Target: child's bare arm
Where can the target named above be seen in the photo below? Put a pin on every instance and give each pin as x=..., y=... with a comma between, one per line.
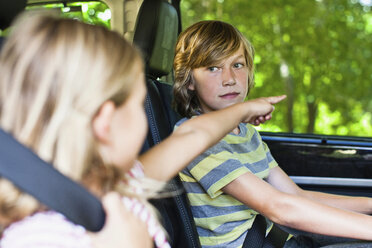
x=298, y=212
x=193, y=137
x=280, y=180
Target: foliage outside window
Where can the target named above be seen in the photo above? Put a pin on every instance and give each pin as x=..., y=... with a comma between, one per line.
x=93, y=12
x=318, y=52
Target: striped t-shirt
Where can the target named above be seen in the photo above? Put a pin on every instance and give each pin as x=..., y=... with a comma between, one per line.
x=221, y=220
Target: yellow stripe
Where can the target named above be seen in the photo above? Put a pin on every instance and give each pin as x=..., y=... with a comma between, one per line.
x=204, y=199
x=215, y=189
x=273, y=164
x=209, y=163
x=263, y=174
x=250, y=157
x=213, y=161
x=233, y=139
x=186, y=178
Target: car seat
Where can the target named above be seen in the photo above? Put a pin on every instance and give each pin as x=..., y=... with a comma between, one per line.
x=9, y=10
x=155, y=35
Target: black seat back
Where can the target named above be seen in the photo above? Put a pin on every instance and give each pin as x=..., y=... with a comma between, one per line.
x=1, y=41
x=156, y=34
x=8, y=11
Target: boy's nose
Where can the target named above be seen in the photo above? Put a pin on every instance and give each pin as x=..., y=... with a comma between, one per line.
x=229, y=83
x=228, y=77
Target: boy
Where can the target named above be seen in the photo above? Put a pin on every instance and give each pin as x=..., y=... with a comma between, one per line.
x=232, y=181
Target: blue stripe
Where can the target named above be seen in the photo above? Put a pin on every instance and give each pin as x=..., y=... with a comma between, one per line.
x=269, y=157
x=207, y=211
x=247, y=146
x=197, y=160
x=186, y=172
x=235, y=243
x=229, y=166
x=226, y=228
x=259, y=166
x=191, y=187
x=181, y=121
x=220, y=171
x=243, y=129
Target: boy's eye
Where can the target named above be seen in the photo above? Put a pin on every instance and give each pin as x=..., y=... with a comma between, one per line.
x=213, y=68
x=238, y=65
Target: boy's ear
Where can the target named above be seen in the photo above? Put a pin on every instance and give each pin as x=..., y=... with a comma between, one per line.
x=101, y=122
x=191, y=86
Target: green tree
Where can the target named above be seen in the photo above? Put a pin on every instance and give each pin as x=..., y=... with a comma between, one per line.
x=92, y=12
x=317, y=52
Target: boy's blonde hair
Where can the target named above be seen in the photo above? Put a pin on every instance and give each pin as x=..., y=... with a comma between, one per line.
x=55, y=75
x=203, y=44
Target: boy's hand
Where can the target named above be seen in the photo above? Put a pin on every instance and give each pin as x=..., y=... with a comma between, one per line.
x=263, y=108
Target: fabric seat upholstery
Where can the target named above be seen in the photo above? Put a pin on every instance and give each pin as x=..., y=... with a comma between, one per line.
x=156, y=35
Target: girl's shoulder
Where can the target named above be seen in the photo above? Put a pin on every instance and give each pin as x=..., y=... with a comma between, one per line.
x=45, y=229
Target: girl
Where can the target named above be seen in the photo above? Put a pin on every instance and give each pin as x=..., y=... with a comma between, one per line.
x=227, y=184
x=74, y=94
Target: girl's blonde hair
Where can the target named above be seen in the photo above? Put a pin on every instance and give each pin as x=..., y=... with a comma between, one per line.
x=55, y=75
x=203, y=44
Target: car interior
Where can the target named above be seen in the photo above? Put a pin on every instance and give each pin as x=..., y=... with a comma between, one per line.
x=154, y=31
x=175, y=211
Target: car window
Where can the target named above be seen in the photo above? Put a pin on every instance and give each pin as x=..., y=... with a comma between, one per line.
x=93, y=12
x=317, y=52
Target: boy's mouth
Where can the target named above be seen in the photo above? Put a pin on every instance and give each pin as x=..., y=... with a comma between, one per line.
x=230, y=95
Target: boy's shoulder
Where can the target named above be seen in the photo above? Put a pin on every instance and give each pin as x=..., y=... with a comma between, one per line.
x=250, y=128
x=183, y=120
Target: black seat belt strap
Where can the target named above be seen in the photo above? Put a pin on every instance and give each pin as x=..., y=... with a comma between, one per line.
x=256, y=235
x=276, y=237
x=38, y=178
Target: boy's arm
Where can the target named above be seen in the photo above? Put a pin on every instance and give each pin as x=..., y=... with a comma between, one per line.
x=165, y=160
x=298, y=212
x=280, y=180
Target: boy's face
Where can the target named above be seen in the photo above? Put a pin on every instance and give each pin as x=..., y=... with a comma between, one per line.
x=221, y=85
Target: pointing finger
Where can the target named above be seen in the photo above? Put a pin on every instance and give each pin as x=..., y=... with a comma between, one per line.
x=275, y=99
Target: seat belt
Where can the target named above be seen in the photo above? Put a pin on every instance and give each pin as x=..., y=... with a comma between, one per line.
x=41, y=180
x=276, y=237
x=256, y=235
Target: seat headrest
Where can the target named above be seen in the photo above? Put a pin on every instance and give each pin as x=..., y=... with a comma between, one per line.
x=1, y=41
x=156, y=35
x=9, y=10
